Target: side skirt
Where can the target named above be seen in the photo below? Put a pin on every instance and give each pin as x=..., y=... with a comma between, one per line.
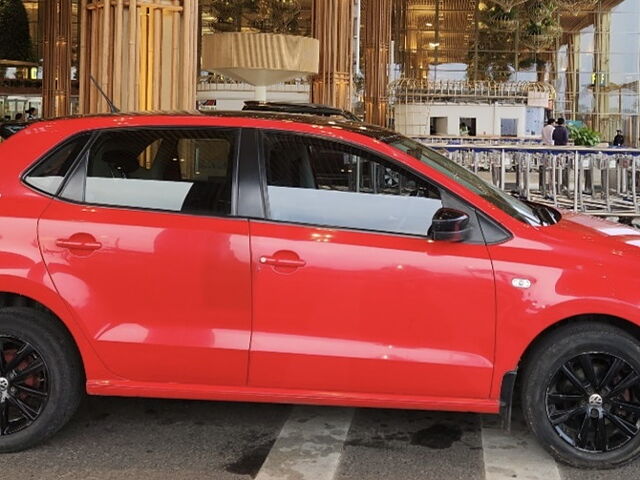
x=124, y=388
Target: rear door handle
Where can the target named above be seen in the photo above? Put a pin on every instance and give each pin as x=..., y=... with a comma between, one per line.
x=76, y=245
x=283, y=262
x=79, y=241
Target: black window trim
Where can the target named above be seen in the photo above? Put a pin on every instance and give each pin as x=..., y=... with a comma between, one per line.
x=250, y=192
x=375, y=153
x=81, y=163
x=77, y=174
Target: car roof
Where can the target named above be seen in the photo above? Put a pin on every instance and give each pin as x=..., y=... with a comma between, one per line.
x=361, y=128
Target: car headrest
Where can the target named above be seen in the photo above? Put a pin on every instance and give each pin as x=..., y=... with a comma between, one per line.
x=123, y=160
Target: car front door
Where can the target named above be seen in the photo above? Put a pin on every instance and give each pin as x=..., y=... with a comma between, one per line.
x=143, y=245
x=350, y=294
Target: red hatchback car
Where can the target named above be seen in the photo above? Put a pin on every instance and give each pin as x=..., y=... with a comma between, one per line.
x=283, y=258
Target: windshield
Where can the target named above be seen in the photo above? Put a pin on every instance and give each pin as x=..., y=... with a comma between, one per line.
x=497, y=197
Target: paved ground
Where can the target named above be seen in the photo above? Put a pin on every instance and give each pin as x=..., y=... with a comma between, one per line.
x=114, y=438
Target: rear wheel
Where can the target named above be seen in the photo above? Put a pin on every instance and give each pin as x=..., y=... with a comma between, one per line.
x=41, y=379
x=581, y=395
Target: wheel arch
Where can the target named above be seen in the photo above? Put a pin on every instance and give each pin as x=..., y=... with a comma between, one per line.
x=623, y=324
x=18, y=292
x=510, y=382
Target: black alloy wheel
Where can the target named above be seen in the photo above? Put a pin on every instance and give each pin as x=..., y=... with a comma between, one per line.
x=41, y=377
x=580, y=387
x=593, y=402
x=24, y=385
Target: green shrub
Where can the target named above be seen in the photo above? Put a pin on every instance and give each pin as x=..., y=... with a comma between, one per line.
x=584, y=136
x=15, y=42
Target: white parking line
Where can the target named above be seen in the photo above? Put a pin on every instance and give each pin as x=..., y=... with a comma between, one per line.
x=514, y=455
x=309, y=445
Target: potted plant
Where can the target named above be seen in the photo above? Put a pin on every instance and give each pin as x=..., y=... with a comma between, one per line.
x=583, y=136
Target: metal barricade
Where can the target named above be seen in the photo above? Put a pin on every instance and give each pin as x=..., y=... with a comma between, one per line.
x=597, y=181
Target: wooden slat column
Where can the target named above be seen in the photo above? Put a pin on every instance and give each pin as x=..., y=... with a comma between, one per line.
x=332, y=22
x=143, y=53
x=602, y=121
x=56, y=83
x=377, y=37
x=572, y=93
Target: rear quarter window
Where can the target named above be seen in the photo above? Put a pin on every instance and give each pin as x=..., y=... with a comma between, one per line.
x=49, y=173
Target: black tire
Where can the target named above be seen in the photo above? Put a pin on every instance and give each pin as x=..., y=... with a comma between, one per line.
x=51, y=393
x=571, y=419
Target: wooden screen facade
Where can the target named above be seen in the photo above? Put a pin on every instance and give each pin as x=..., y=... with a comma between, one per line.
x=56, y=79
x=332, y=23
x=143, y=54
x=377, y=39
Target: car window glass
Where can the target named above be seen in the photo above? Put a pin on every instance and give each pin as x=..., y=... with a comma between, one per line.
x=459, y=174
x=50, y=172
x=188, y=171
x=320, y=182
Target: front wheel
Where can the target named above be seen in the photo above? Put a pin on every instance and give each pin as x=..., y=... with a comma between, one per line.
x=581, y=395
x=41, y=379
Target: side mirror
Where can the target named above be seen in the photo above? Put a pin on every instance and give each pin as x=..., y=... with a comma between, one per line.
x=450, y=225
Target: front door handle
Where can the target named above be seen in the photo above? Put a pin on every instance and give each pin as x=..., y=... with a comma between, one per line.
x=283, y=262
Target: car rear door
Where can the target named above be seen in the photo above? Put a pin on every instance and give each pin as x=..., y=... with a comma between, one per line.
x=349, y=293
x=144, y=245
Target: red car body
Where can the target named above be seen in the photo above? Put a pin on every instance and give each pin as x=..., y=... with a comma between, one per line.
x=355, y=318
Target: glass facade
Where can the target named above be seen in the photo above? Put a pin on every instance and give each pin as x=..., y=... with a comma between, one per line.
x=273, y=16
x=587, y=50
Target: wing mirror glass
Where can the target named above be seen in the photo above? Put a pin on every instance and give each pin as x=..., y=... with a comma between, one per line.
x=450, y=225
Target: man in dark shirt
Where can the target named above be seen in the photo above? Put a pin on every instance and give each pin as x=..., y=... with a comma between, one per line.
x=618, y=140
x=560, y=134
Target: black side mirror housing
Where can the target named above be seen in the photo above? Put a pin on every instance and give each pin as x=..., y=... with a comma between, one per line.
x=450, y=225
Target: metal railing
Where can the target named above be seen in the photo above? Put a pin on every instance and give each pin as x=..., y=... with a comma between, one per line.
x=597, y=181
x=217, y=83
x=412, y=90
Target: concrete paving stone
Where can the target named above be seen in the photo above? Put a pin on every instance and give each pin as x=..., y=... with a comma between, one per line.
x=145, y=439
x=139, y=439
x=407, y=445
x=309, y=446
x=630, y=472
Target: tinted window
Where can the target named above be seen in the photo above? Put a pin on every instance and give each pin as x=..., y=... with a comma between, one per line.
x=322, y=182
x=50, y=172
x=187, y=171
x=497, y=197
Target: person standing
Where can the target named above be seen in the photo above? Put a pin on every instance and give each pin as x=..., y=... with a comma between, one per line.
x=30, y=113
x=560, y=133
x=561, y=138
x=547, y=132
x=618, y=140
x=547, y=139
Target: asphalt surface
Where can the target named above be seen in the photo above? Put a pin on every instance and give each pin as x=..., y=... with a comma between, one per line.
x=117, y=438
